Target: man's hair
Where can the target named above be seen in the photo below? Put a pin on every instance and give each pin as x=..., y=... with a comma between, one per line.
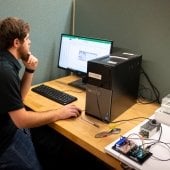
x=10, y=29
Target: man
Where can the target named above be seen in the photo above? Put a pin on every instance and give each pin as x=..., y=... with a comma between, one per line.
x=16, y=148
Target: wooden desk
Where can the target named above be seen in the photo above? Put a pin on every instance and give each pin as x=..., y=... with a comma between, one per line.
x=82, y=132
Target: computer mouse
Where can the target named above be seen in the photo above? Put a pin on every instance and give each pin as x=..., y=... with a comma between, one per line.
x=77, y=115
x=80, y=111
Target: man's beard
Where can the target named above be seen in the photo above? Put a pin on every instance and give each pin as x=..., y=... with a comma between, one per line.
x=23, y=54
x=25, y=57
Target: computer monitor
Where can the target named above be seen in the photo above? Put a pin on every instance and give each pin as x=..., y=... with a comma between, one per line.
x=75, y=52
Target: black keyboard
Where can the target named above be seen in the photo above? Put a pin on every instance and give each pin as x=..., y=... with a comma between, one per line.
x=54, y=94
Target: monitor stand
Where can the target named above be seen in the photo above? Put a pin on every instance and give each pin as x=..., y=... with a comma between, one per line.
x=78, y=84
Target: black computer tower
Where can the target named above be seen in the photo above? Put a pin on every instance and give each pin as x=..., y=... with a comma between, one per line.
x=112, y=84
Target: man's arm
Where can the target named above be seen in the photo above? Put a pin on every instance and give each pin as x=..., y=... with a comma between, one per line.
x=30, y=66
x=30, y=119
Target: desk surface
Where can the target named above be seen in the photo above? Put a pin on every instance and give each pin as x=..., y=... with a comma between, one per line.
x=81, y=131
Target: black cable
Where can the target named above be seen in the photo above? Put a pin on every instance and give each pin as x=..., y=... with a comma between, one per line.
x=154, y=89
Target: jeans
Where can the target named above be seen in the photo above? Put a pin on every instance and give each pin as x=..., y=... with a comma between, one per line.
x=20, y=155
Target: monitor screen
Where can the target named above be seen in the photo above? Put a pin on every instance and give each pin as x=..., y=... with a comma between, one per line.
x=76, y=51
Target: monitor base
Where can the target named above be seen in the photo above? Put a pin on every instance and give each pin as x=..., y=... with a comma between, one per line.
x=78, y=84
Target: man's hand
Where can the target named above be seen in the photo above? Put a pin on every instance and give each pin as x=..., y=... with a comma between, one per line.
x=31, y=63
x=69, y=111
